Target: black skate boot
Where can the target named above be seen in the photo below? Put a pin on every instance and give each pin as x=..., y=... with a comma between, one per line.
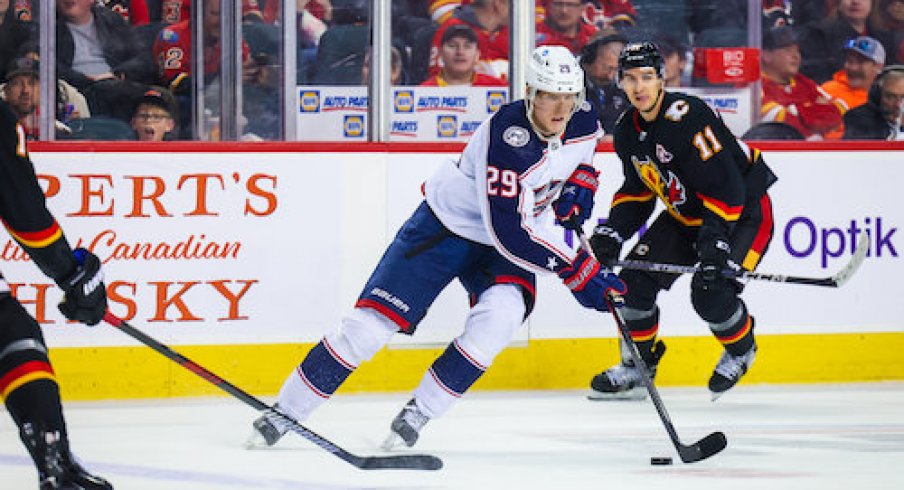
x=57, y=468
x=406, y=426
x=267, y=429
x=729, y=371
x=623, y=381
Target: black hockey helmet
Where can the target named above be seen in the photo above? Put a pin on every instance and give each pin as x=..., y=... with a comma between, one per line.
x=638, y=55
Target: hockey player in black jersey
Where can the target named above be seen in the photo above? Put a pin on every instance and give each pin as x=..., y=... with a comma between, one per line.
x=27, y=381
x=717, y=213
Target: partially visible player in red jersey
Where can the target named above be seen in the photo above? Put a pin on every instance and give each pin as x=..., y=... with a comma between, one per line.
x=459, y=54
x=489, y=19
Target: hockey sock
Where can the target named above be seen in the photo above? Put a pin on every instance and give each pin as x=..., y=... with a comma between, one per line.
x=643, y=326
x=323, y=371
x=31, y=394
x=736, y=333
x=448, y=378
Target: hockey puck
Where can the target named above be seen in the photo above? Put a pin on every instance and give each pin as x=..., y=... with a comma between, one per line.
x=661, y=461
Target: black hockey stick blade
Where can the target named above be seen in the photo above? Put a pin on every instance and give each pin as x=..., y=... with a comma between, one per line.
x=398, y=462
x=703, y=448
x=834, y=281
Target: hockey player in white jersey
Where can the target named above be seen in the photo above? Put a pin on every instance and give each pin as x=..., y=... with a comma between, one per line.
x=485, y=221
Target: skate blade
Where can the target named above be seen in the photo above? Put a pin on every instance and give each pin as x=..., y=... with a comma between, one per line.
x=392, y=441
x=715, y=395
x=632, y=394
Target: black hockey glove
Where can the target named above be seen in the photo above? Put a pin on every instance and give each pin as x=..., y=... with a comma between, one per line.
x=714, y=262
x=85, y=297
x=606, y=244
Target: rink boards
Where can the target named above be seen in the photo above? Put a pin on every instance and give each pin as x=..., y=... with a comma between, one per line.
x=243, y=256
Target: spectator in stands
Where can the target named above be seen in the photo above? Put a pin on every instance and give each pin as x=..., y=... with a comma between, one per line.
x=564, y=25
x=13, y=32
x=94, y=43
x=173, y=11
x=172, y=52
x=489, y=19
x=340, y=52
x=459, y=54
x=97, y=54
x=776, y=13
x=610, y=14
x=806, y=12
x=155, y=116
x=134, y=12
x=881, y=117
x=674, y=56
x=396, y=68
x=22, y=94
x=599, y=60
x=789, y=96
x=863, y=60
x=889, y=15
x=822, y=44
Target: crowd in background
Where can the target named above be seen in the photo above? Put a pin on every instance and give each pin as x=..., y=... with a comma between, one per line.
x=821, y=59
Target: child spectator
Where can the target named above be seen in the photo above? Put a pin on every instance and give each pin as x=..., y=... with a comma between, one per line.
x=155, y=117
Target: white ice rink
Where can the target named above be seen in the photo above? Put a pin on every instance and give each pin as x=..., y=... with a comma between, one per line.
x=790, y=437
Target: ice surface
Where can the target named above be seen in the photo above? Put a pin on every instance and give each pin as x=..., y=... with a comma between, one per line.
x=788, y=437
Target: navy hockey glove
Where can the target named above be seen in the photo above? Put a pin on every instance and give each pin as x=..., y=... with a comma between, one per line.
x=575, y=202
x=606, y=244
x=589, y=282
x=85, y=297
x=714, y=261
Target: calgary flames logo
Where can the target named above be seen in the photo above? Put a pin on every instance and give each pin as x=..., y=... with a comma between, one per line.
x=669, y=188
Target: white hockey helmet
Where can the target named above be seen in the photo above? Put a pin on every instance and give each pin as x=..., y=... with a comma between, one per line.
x=554, y=69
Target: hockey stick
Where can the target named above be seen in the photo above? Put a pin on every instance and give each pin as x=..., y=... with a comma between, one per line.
x=698, y=451
x=834, y=281
x=408, y=461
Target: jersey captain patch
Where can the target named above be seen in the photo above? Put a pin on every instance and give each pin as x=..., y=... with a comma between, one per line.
x=516, y=136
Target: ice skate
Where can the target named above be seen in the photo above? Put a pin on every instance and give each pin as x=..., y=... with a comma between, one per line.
x=57, y=468
x=729, y=371
x=267, y=430
x=406, y=426
x=623, y=381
